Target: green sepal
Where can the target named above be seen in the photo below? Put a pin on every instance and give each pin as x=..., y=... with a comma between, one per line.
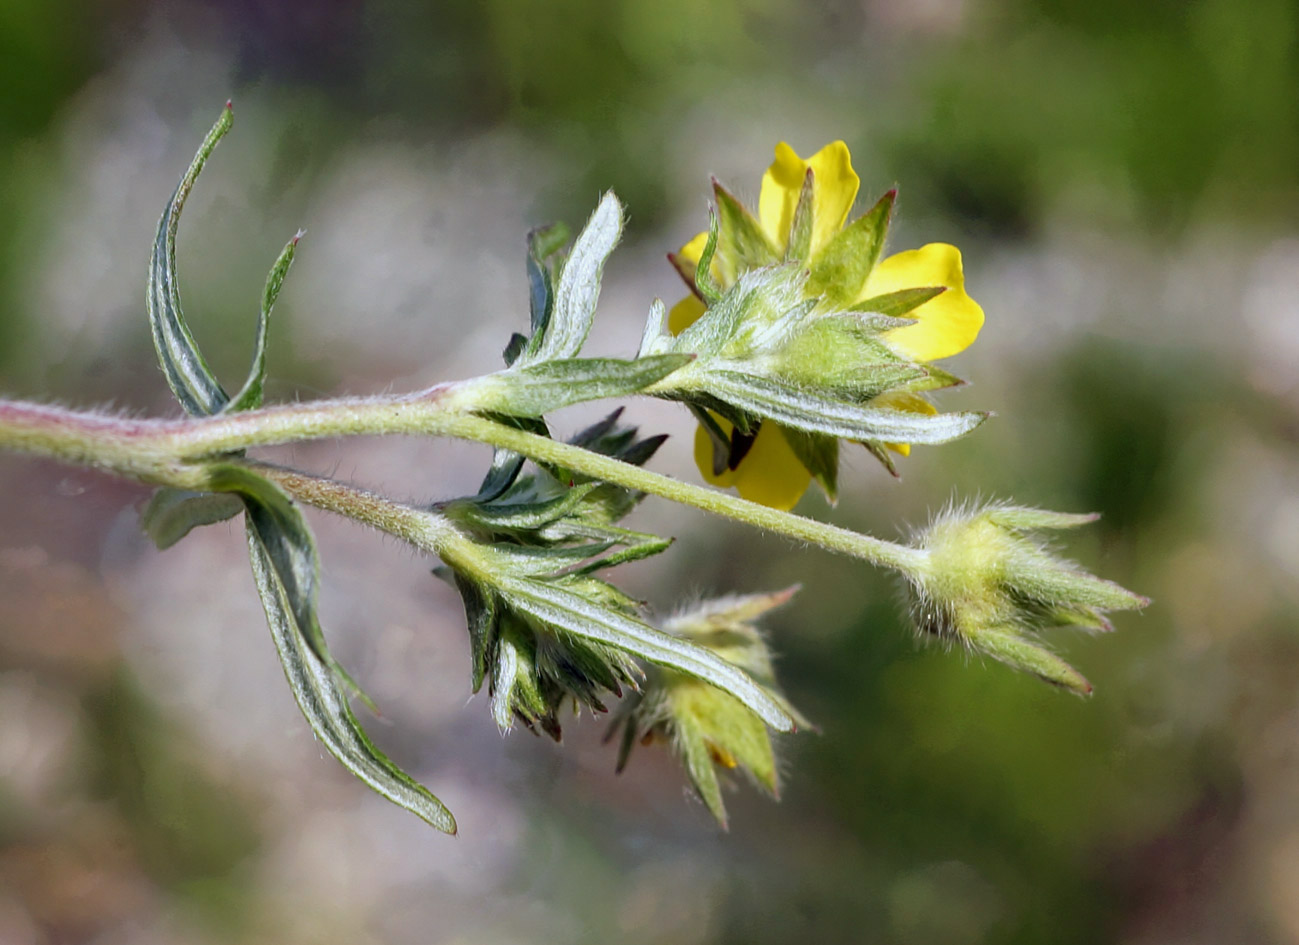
x=819, y=455
x=1023, y=518
x=885, y=457
x=991, y=584
x=250, y=395
x=705, y=285
x=898, y=304
x=837, y=352
x=1048, y=578
x=935, y=378
x=324, y=703
x=800, y=230
x=707, y=727
x=187, y=373
x=818, y=413
x=515, y=689
x=637, y=545
x=840, y=269
x=1010, y=646
x=742, y=244
x=753, y=317
x=171, y=514
x=517, y=517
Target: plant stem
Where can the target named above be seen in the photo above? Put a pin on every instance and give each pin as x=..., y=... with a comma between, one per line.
x=169, y=452
x=427, y=530
x=597, y=466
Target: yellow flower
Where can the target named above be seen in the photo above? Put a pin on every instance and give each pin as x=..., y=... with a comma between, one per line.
x=770, y=472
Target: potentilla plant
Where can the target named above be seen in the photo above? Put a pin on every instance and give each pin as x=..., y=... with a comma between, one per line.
x=798, y=335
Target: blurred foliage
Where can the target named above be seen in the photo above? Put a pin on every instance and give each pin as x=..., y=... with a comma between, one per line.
x=42, y=62
x=1122, y=112
x=191, y=833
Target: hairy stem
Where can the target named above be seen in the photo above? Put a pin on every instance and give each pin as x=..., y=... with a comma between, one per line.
x=167, y=452
x=831, y=537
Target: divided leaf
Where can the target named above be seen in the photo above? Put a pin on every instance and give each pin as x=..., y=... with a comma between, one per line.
x=576, y=291
x=544, y=386
x=283, y=534
x=250, y=395
x=188, y=375
x=191, y=380
x=325, y=704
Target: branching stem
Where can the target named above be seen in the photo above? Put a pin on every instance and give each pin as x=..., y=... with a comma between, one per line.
x=170, y=452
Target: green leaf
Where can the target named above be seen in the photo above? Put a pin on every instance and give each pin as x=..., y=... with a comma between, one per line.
x=283, y=534
x=543, y=244
x=250, y=395
x=578, y=288
x=506, y=464
x=575, y=614
x=655, y=336
x=840, y=269
x=806, y=410
x=646, y=546
x=324, y=703
x=191, y=380
x=515, y=516
x=483, y=621
x=173, y=513
x=542, y=387
x=513, y=348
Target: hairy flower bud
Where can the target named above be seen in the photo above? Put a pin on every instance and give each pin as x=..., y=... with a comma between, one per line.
x=707, y=727
x=991, y=584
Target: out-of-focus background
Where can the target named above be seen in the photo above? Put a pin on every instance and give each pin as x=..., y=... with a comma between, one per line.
x=1124, y=181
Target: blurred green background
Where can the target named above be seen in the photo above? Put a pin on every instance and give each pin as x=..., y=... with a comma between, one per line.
x=1124, y=181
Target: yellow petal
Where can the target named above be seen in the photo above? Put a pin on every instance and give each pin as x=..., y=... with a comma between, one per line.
x=770, y=474
x=685, y=313
x=834, y=188
x=902, y=400
x=694, y=250
x=945, y=324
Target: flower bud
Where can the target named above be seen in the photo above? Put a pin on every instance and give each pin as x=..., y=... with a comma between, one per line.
x=707, y=727
x=990, y=583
